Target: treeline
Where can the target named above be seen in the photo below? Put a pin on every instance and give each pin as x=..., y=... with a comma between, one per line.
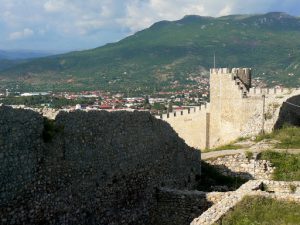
x=40, y=101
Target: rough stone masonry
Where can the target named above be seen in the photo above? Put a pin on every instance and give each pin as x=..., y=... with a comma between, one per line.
x=89, y=168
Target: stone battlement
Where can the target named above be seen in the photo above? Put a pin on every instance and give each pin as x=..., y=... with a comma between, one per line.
x=229, y=70
x=220, y=71
x=242, y=74
x=184, y=112
x=270, y=91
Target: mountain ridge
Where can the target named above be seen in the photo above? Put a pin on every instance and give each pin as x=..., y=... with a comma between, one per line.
x=170, y=51
x=23, y=54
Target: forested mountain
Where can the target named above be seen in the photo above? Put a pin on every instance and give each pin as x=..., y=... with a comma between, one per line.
x=171, y=51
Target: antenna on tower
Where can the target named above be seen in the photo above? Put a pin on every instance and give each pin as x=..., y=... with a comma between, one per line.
x=214, y=60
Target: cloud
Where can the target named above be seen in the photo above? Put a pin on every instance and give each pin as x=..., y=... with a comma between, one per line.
x=54, y=6
x=91, y=23
x=225, y=11
x=21, y=34
x=88, y=25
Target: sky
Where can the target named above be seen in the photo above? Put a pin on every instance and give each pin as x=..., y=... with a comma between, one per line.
x=64, y=25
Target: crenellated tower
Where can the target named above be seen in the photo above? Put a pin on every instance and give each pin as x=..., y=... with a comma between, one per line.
x=228, y=89
x=235, y=110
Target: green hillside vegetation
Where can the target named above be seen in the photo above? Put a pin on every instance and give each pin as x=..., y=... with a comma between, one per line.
x=169, y=51
x=40, y=101
x=6, y=64
x=261, y=211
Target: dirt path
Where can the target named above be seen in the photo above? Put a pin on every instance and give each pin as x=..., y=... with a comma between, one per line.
x=215, y=154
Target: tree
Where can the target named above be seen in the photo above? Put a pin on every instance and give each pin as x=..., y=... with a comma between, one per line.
x=147, y=104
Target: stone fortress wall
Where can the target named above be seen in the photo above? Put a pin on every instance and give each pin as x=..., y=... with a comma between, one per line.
x=235, y=110
x=190, y=124
x=90, y=168
x=20, y=150
x=112, y=168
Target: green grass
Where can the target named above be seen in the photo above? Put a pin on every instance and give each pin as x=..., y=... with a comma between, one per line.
x=264, y=136
x=210, y=176
x=263, y=211
x=242, y=139
x=287, y=165
x=288, y=136
x=230, y=146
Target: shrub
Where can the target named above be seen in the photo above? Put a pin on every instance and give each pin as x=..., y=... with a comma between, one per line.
x=292, y=188
x=249, y=155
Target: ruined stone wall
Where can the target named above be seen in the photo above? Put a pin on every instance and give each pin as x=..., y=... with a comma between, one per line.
x=97, y=168
x=20, y=150
x=215, y=213
x=282, y=187
x=240, y=165
x=176, y=207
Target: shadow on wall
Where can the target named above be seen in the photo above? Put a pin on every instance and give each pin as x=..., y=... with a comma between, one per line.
x=221, y=178
x=289, y=112
x=88, y=167
x=179, y=207
x=174, y=207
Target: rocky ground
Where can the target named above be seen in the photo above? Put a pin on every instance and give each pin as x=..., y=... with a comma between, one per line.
x=248, y=146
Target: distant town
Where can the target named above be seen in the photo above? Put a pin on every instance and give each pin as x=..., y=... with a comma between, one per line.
x=178, y=97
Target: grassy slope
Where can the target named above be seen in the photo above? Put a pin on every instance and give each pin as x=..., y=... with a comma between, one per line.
x=263, y=211
x=230, y=146
x=287, y=165
x=170, y=51
x=288, y=137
